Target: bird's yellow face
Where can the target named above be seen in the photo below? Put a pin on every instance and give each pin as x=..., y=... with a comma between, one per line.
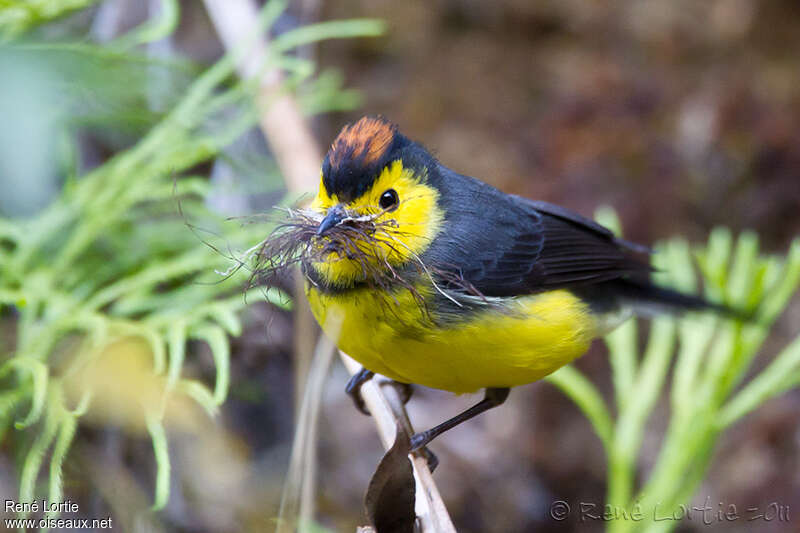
x=388, y=209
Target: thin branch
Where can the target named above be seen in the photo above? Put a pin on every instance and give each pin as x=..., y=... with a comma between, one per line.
x=387, y=410
x=283, y=125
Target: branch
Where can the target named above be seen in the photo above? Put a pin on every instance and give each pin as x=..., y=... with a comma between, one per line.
x=387, y=410
x=283, y=125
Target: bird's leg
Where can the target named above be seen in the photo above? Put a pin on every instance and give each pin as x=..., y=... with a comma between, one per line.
x=353, y=388
x=492, y=398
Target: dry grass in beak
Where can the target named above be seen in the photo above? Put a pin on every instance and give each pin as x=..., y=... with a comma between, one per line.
x=368, y=241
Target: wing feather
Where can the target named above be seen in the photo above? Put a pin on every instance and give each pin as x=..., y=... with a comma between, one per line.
x=514, y=246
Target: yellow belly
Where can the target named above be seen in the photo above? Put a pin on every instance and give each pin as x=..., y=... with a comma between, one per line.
x=540, y=334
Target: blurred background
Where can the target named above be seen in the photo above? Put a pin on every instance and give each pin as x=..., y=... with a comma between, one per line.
x=681, y=115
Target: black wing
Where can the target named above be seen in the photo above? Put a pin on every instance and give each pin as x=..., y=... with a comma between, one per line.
x=504, y=245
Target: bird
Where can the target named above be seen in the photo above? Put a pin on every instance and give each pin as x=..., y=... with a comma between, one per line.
x=434, y=278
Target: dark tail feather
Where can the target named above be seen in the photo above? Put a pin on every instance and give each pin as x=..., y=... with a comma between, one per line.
x=646, y=297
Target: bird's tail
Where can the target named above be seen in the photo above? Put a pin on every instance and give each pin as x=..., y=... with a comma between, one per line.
x=647, y=298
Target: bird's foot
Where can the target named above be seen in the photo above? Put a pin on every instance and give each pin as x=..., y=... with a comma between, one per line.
x=430, y=458
x=353, y=389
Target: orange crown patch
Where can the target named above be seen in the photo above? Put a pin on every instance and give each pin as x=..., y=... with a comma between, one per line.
x=366, y=140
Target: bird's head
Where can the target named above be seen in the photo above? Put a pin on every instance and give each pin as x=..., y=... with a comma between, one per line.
x=377, y=200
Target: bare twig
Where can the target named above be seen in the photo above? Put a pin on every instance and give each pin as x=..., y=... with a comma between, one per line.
x=387, y=409
x=157, y=83
x=283, y=125
x=107, y=20
x=298, y=156
x=297, y=501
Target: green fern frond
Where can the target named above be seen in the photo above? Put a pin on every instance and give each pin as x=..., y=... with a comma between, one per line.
x=714, y=355
x=112, y=259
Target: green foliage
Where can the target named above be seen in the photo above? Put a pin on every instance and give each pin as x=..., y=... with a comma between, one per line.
x=709, y=366
x=18, y=16
x=110, y=270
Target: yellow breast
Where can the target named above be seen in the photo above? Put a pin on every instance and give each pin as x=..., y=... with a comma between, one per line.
x=533, y=337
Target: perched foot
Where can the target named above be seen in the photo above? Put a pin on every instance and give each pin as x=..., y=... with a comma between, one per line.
x=406, y=391
x=430, y=458
x=353, y=388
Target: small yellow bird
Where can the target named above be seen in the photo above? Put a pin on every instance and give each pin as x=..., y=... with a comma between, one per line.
x=434, y=278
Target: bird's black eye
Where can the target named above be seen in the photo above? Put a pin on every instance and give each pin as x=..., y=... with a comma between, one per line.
x=389, y=200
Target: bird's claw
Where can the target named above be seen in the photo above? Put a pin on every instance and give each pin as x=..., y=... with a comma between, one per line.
x=406, y=391
x=430, y=458
x=358, y=401
x=353, y=389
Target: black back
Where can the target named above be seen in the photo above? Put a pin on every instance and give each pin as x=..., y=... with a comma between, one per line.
x=505, y=245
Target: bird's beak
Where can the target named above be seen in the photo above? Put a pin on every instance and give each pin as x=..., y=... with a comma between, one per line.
x=334, y=215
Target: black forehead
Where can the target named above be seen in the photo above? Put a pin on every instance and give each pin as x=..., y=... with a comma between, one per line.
x=353, y=174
